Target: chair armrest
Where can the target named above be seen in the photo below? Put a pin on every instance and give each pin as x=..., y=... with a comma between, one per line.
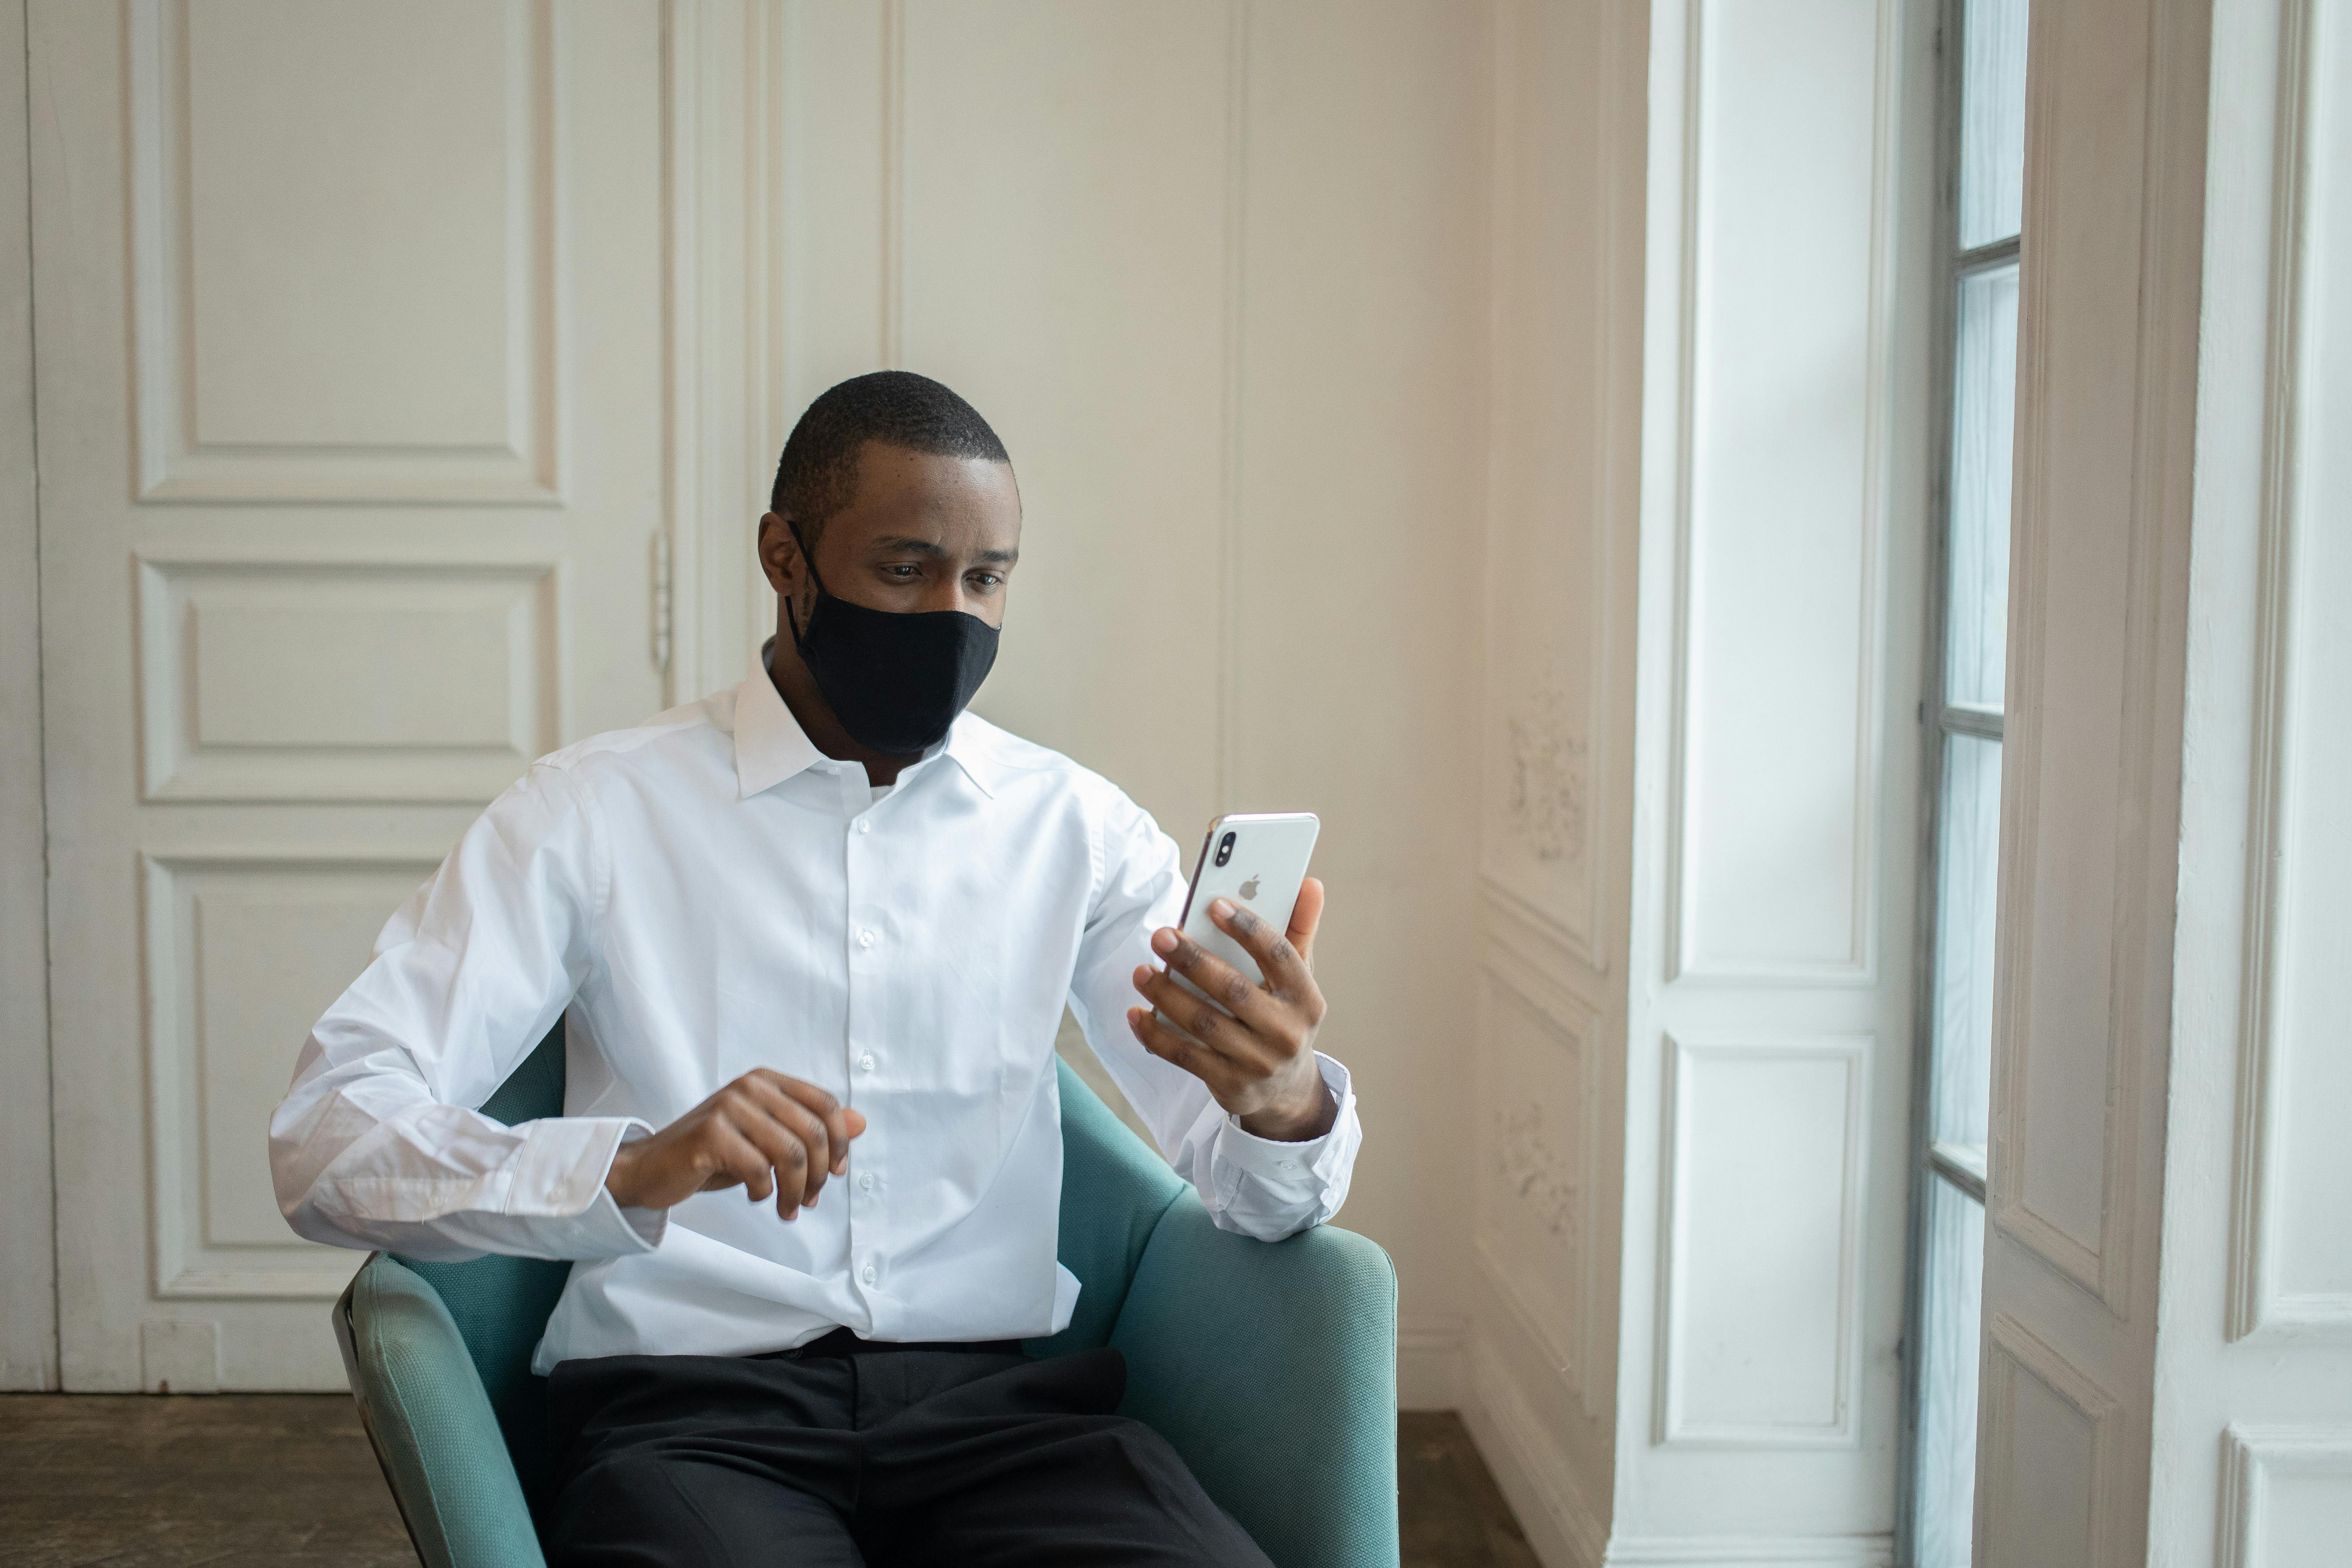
x=434, y=1431
x=1272, y=1368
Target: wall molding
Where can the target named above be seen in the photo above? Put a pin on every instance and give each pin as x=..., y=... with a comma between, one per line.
x=2258, y=1305
x=1535, y=955
x=2252, y=1457
x=184, y=1262
x=1670, y=1426
x=2145, y=821
x=177, y=765
x=1752, y=1550
x=1576, y=1354
x=171, y=465
x=2011, y=1341
x=1534, y=1473
x=1533, y=935
x=1232, y=426
x=1431, y=1370
x=1858, y=968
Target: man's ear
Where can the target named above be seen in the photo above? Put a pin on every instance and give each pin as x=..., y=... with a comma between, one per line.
x=779, y=555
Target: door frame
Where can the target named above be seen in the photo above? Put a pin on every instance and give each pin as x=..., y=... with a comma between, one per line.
x=28, y=1299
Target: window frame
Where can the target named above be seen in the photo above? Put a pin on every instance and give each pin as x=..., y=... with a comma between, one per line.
x=1930, y=1161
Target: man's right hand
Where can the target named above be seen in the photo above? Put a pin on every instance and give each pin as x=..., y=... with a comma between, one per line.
x=764, y=1131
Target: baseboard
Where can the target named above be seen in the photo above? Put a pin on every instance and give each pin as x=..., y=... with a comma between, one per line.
x=1429, y=1366
x=1752, y=1552
x=1529, y=1467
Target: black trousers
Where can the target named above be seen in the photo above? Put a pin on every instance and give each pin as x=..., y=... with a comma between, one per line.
x=847, y=1453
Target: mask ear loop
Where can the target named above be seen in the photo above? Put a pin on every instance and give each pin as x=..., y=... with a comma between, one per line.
x=808, y=559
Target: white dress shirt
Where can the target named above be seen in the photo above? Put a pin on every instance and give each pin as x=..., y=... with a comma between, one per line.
x=706, y=894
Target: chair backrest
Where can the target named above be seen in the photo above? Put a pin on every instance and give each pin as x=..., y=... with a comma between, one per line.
x=1114, y=1191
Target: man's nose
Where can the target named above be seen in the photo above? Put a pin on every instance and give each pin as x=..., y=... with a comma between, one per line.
x=949, y=594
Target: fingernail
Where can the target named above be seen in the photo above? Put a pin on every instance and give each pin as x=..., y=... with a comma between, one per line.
x=1163, y=941
x=1221, y=908
x=1143, y=973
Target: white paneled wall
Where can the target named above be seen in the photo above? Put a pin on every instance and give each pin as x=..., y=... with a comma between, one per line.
x=1213, y=269
x=2252, y=1446
x=1538, y=1376
x=1771, y=977
x=375, y=436
x=1704, y=583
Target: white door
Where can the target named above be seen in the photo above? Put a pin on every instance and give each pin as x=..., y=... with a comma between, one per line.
x=350, y=338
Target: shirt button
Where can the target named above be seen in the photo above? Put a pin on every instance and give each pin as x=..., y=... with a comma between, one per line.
x=864, y=1181
x=864, y=826
x=866, y=939
x=865, y=1062
x=867, y=1274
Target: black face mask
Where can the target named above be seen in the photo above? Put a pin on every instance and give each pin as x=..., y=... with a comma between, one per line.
x=895, y=681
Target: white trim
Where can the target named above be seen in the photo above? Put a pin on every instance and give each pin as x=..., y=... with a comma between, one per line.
x=1670, y=1424
x=1534, y=1475
x=1430, y=1367
x=1859, y=969
x=29, y=1302
x=2250, y=1457
x=1753, y=1550
x=2258, y=1306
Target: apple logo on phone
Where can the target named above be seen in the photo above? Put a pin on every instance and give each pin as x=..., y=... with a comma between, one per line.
x=1249, y=889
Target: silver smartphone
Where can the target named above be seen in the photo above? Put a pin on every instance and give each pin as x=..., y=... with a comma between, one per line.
x=1257, y=859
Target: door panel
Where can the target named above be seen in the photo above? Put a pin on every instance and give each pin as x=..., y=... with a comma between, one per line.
x=349, y=360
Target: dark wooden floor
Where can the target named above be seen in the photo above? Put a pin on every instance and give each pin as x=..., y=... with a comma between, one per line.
x=247, y=1480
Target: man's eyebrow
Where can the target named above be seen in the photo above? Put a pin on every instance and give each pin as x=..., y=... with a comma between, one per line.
x=901, y=544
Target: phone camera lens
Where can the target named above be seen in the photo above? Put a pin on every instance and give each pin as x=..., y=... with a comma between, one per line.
x=1225, y=848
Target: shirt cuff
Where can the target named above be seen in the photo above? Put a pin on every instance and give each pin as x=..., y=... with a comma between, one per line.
x=1292, y=1164
x=559, y=1174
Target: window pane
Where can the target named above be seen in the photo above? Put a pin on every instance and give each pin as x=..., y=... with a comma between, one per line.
x=1947, y=1481
x=1968, y=875
x=1992, y=120
x=1984, y=400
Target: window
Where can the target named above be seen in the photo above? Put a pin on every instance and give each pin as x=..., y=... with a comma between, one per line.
x=1983, y=112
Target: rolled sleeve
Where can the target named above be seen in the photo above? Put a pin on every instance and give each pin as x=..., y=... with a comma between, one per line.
x=559, y=1174
x=1267, y=1189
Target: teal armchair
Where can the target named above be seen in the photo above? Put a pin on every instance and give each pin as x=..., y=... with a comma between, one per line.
x=1272, y=1368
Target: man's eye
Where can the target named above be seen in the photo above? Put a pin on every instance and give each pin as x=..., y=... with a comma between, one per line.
x=904, y=573
x=985, y=582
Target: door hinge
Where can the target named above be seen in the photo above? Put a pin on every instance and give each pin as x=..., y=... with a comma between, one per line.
x=662, y=600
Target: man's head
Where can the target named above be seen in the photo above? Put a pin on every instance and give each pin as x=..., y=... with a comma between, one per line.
x=894, y=499
x=903, y=495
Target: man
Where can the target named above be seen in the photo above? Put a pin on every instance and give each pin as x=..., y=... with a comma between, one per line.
x=812, y=938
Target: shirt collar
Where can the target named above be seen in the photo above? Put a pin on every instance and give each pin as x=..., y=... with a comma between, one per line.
x=771, y=746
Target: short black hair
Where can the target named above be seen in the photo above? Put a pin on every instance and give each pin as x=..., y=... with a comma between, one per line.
x=817, y=475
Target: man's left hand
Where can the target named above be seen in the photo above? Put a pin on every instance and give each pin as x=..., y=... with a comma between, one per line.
x=1258, y=1055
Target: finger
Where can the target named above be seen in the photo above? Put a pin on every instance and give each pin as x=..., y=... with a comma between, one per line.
x=738, y=1160
x=1306, y=915
x=1207, y=1026
x=1243, y=997
x=804, y=1123
x=836, y=1118
x=1284, y=971
x=1171, y=1046
x=784, y=1151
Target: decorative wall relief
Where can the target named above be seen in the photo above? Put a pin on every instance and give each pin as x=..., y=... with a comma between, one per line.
x=1543, y=1178
x=1548, y=777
